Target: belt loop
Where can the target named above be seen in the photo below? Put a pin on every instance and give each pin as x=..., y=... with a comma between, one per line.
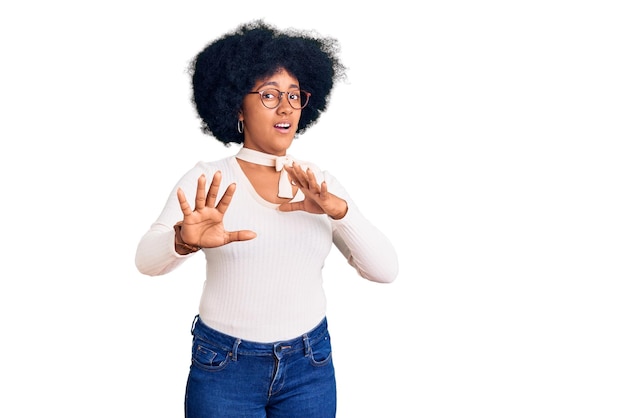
x=193, y=325
x=307, y=345
x=235, y=347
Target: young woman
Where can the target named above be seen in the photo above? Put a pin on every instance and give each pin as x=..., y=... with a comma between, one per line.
x=265, y=222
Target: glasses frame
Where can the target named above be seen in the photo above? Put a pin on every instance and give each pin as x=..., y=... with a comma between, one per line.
x=280, y=97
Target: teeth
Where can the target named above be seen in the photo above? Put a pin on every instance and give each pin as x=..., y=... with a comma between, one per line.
x=283, y=125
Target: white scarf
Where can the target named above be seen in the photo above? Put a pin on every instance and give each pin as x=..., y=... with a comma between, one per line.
x=257, y=157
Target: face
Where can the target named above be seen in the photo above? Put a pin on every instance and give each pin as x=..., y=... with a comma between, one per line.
x=270, y=130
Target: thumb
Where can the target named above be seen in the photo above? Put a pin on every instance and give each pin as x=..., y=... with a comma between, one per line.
x=243, y=235
x=291, y=206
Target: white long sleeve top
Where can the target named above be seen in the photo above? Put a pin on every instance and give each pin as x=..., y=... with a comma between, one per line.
x=269, y=288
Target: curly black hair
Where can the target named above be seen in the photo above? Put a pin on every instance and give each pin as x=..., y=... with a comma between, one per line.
x=227, y=69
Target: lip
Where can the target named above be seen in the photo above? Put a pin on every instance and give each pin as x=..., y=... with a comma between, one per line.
x=283, y=126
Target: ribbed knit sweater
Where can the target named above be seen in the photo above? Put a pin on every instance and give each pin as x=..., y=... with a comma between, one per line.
x=269, y=288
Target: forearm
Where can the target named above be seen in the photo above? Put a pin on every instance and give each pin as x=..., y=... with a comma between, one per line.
x=156, y=254
x=365, y=247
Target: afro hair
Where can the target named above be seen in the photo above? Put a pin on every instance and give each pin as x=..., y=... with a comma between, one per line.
x=227, y=69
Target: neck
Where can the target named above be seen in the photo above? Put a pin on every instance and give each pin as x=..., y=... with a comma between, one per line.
x=278, y=162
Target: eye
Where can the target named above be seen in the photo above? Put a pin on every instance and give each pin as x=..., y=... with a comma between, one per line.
x=269, y=94
x=294, y=95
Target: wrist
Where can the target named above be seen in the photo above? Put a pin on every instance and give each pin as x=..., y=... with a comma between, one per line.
x=180, y=245
x=340, y=214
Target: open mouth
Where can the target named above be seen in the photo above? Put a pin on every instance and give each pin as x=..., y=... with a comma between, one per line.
x=283, y=126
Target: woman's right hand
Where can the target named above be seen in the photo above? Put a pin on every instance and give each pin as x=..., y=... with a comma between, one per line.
x=203, y=226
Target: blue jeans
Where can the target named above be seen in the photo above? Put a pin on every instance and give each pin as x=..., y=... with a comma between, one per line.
x=230, y=377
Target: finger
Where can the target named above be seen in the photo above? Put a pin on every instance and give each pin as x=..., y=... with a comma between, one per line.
x=225, y=200
x=211, y=196
x=182, y=200
x=300, y=176
x=291, y=171
x=243, y=235
x=323, y=190
x=312, y=181
x=200, y=192
x=292, y=176
x=291, y=206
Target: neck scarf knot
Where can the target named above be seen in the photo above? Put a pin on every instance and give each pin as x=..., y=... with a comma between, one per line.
x=257, y=157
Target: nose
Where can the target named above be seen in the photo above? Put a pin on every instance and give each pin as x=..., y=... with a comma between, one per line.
x=284, y=108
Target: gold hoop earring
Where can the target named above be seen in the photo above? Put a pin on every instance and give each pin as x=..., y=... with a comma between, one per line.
x=240, y=126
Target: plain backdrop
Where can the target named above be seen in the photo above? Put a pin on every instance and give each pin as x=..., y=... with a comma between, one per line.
x=485, y=138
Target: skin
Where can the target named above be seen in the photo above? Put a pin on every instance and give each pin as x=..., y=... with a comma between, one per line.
x=203, y=225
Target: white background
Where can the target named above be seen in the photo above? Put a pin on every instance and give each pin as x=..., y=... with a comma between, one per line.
x=485, y=138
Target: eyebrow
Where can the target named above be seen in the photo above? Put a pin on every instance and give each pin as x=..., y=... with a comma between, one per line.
x=275, y=84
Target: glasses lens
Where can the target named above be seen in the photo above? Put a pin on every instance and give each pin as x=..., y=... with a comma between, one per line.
x=298, y=98
x=270, y=98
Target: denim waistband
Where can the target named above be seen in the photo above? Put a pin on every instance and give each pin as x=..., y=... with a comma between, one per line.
x=302, y=343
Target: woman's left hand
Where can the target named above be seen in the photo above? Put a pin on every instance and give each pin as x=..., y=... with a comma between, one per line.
x=317, y=199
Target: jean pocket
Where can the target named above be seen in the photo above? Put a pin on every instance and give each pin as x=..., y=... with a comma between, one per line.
x=321, y=352
x=206, y=356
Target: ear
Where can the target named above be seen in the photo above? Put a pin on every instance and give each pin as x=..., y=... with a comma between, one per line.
x=240, y=114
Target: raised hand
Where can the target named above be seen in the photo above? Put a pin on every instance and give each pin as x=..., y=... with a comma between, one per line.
x=317, y=199
x=203, y=226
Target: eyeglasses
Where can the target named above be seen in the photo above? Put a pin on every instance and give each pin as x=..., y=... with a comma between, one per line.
x=271, y=98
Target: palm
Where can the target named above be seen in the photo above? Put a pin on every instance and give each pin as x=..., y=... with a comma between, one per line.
x=203, y=226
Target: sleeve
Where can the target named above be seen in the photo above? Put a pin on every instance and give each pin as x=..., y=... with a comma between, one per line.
x=155, y=253
x=363, y=245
